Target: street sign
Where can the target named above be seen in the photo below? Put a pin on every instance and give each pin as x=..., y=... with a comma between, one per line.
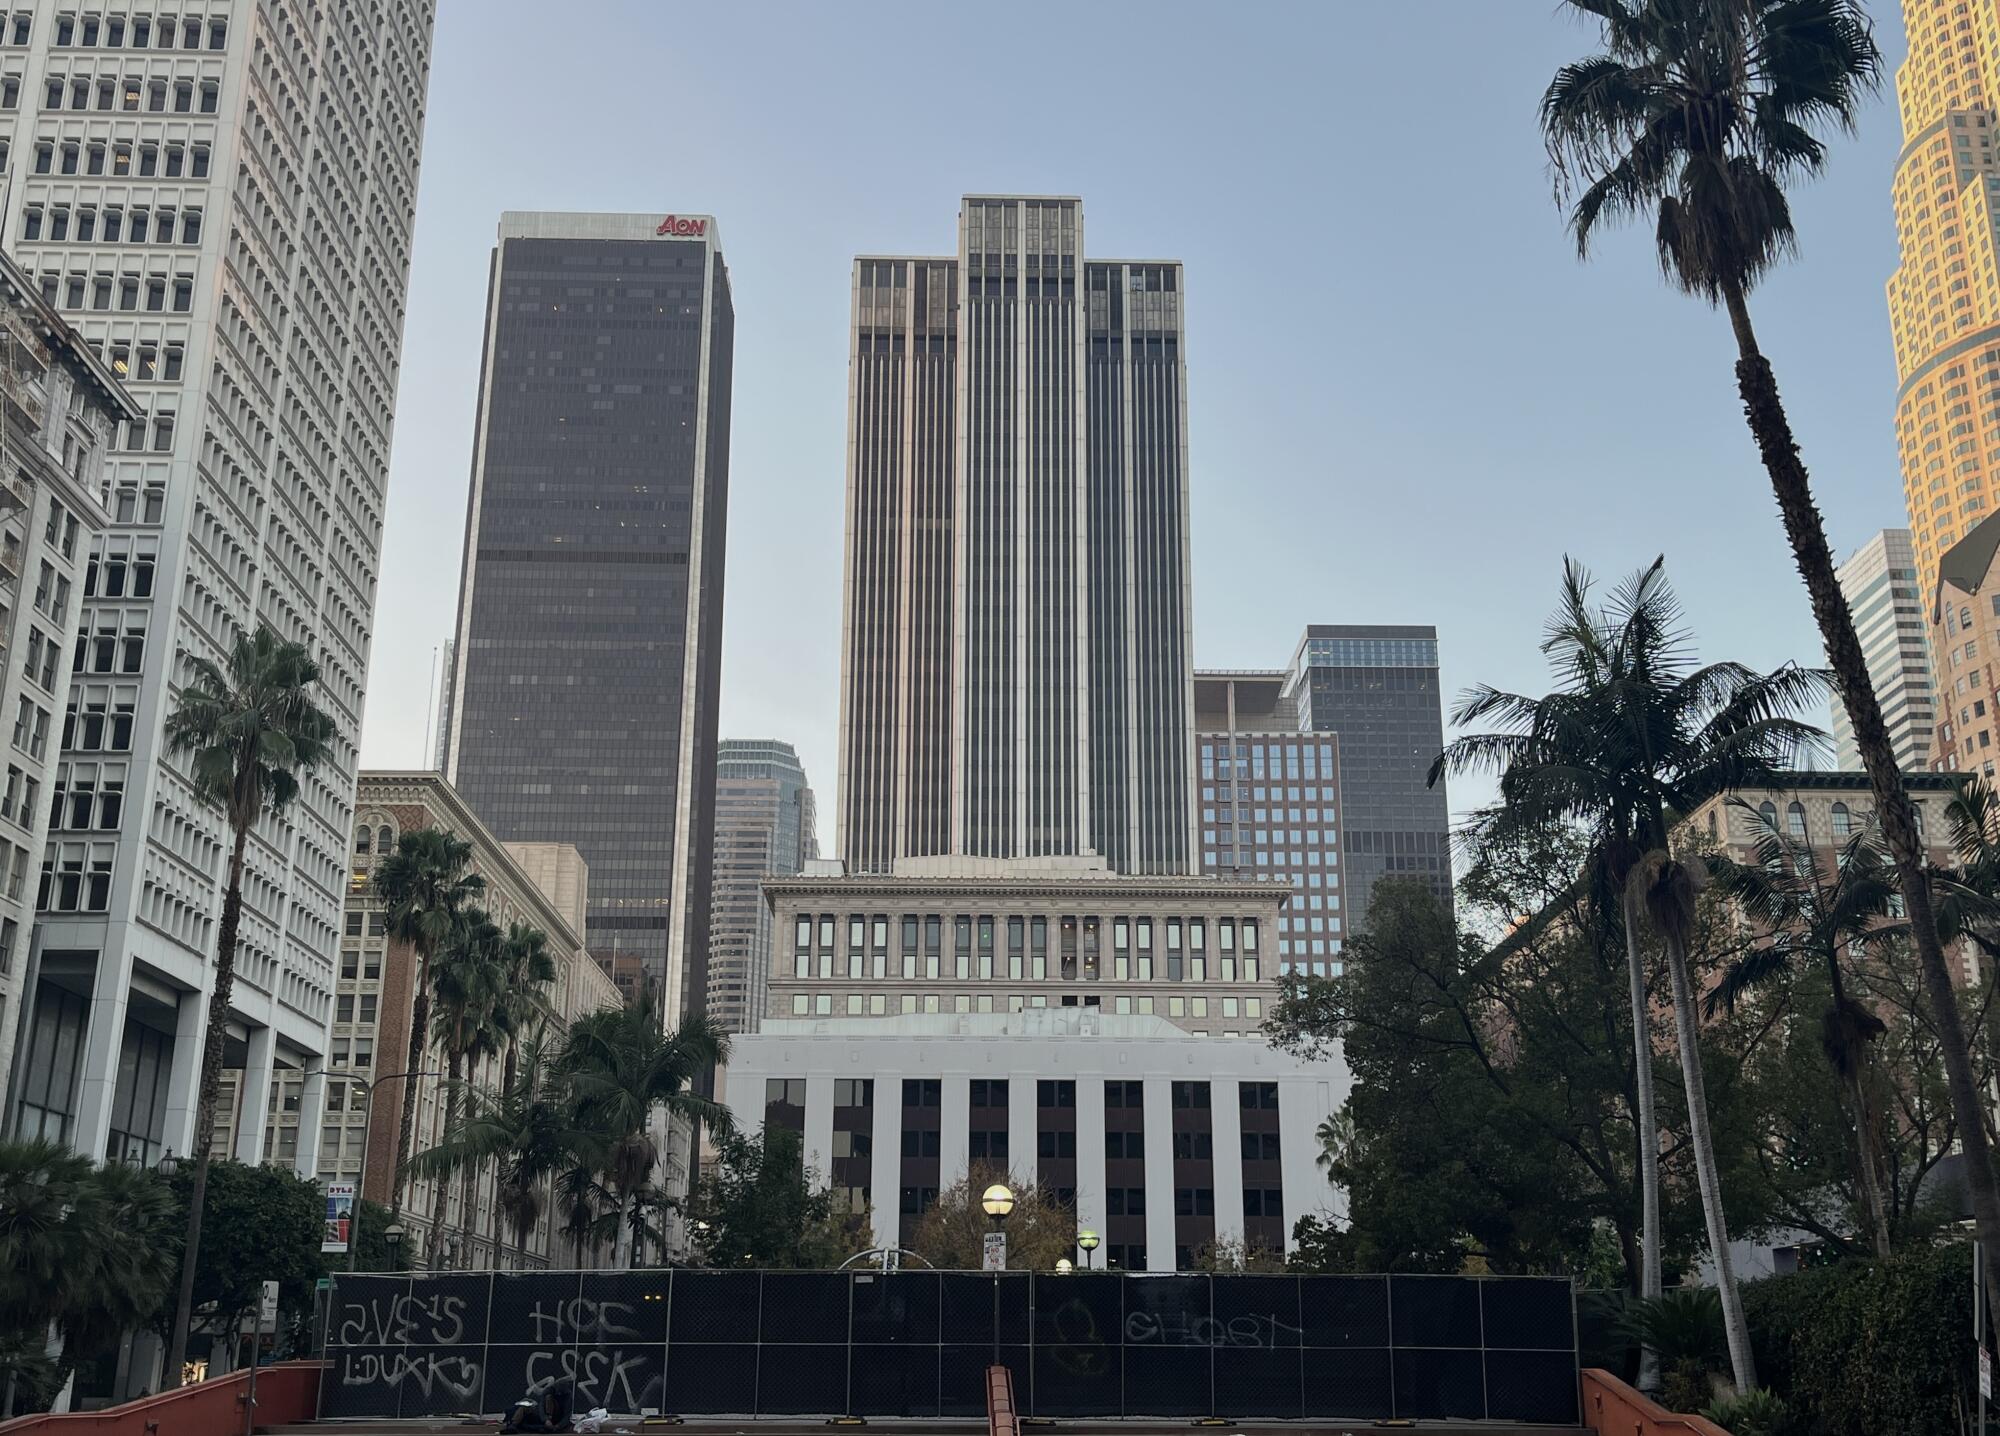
x=264, y=1321
x=1985, y=1373
x=996, y=1252
x=339, y=1217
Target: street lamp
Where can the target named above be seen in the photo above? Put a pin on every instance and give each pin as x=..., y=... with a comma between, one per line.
x=998, y=1200
x=1064, y=1266
x=168, y=1164
x=367, y=1087
x=393, y=1235
x=1087, y=1241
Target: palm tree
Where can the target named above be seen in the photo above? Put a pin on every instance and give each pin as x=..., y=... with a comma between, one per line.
x=623, y=1067
x=424, y=884
x=1636, y=734
x=1699, y=113
x=526, y=967
x=1813, y=917
x=463, y=983
x=529, y=1131
x=249, y=728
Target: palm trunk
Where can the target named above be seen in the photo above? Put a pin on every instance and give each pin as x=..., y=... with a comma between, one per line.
x=435, y=1244
x=1734, y=1327
x=204, y=1110
x=1645, y=1119
x=1871, y=1176
x=420, y=1021
x=1864, y=1128
x=1765, y=413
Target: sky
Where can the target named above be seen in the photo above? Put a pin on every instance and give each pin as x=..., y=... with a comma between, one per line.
x=1408, y=400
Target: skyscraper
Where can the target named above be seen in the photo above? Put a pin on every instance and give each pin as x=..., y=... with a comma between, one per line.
x=589, y=640
x=1270, y=808
x=220, y=199
x=1016, y=673
x=1880, y=581
x=765, y=827
x=1376, y=687
x=1944, y=297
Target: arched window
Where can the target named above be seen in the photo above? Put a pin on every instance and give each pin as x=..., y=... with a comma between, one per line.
x=1768, y=815
x=1965, y=618
x=363, y=840
x=1841, y=825
x=384, y=839
x=1917, y=811
x=1795, y=820
x=1711, y=822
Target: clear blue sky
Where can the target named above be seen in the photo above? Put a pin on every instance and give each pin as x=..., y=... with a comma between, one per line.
x=1408, y=400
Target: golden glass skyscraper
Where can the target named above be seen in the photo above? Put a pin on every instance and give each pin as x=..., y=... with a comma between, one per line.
x=1944, y=298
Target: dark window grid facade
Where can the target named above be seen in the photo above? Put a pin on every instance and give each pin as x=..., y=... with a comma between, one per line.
x=571, y=668
x=1124, y=1177
x=785, y=1104
x=1055, y=1137
x=850, y=1169
x=1194, y=1173
x=986, y=1127
x=1391, y=725
x=922, y=1131
x=1263, y=1174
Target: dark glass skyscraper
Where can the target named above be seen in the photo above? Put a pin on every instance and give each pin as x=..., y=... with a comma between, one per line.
x=1376, y=686
x=589, y=637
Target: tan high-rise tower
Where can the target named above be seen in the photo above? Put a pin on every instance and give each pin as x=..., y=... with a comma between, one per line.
x=1944, y=298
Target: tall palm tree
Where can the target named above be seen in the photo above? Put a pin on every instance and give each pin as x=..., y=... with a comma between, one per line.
x=624, y=1067
x=1813, y=917
x=526, y=966
x=1635, y=735
x=249, y=727
x=424, y=884
x=464, y=980
x=1699, y=113
x=529, y=1131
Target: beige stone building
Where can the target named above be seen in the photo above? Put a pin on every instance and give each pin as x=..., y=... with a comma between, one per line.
x=959, y=935
x=374, y=992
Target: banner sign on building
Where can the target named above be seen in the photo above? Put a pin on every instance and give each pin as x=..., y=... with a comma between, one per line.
x=339, y=1217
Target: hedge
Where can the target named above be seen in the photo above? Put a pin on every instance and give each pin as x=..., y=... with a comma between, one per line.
x=1870, y=1348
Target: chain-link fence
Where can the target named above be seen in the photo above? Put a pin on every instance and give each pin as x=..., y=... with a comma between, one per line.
x=915, y=1343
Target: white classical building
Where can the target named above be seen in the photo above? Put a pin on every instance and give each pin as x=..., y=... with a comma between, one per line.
x=1164, y=1141
x=219, y=196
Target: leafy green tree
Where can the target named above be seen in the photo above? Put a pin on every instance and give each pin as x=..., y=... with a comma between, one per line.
x=268, y=1225
x=1040, y=1231
x=1698, y=114
x=1635, y=733
x=425, y=884
x=624, y=1067
x=760, y=1206
x=248, y=728
x=1825, y=918
x=1321, y=1247
x=86, y=1248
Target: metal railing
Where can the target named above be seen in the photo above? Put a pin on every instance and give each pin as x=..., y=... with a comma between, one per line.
x=919, y=1343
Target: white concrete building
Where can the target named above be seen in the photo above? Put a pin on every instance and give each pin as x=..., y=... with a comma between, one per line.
x=61, y=407
x=220, y=197
x=1880, y=582
x=1164, y=1141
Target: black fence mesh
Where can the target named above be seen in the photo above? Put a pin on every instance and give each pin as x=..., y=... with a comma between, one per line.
x=917, y=1344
